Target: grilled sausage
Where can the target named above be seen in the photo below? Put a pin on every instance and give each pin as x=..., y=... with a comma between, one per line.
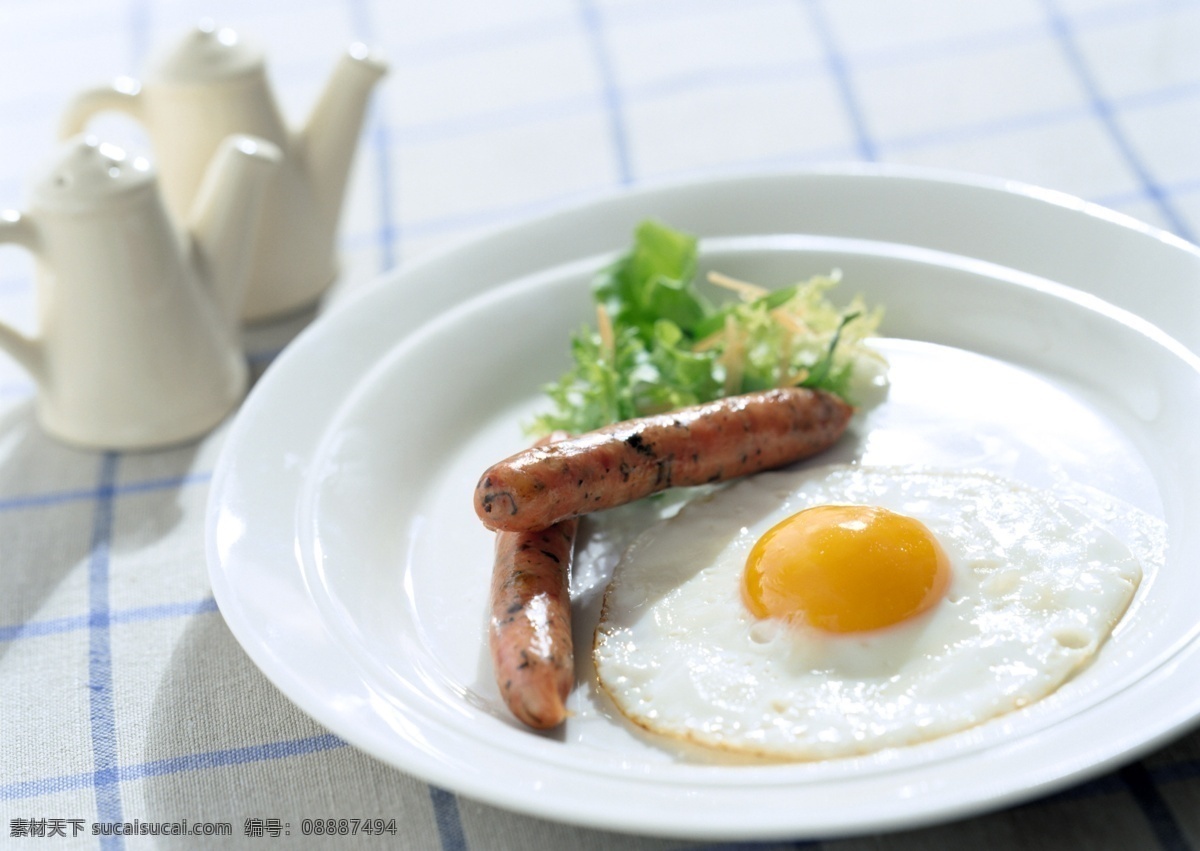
x=530, y=630
x=713, y=442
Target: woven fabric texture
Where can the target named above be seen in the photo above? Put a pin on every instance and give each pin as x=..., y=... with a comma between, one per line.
x=124, y=696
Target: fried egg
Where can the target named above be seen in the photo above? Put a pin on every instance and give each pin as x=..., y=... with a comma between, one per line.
x=841, y=610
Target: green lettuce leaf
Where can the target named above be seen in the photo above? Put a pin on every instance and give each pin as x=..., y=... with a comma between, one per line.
x=661, y=344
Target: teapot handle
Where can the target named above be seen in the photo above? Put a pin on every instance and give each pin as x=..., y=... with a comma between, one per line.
x=19, y=229
x=122, y=95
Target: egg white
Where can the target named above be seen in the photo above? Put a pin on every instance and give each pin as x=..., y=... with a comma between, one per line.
x=1036, y=587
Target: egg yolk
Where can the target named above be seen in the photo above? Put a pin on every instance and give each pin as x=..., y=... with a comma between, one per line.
x=845, y=568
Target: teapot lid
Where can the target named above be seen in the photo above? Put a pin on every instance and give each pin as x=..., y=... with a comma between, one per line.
x=206, y=54
x=88, y=173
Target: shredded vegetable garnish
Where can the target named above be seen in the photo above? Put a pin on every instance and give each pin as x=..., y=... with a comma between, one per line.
x=661, y=344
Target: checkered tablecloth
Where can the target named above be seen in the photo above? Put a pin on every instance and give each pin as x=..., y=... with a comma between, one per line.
x=123, y=695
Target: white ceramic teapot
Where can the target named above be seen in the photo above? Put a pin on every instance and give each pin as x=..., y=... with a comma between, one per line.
x=138, y=322
x=213, y=84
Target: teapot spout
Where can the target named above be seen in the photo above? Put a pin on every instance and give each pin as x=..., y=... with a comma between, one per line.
x=330, y=137
x=225, y=216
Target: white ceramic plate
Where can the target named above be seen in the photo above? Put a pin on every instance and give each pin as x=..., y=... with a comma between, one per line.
x=1023, y=329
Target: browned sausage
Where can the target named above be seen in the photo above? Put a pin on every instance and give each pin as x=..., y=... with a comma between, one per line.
x=530, y=631
x=720, y=440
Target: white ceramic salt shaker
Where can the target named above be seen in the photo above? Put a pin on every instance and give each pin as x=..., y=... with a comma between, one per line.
x=137, y=344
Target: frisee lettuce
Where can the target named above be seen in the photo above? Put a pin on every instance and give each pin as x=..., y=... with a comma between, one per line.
x=661, y=344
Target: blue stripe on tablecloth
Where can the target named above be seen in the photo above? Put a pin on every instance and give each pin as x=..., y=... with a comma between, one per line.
x=1124, y=14
x=448, y=818
x=732, y=77
x=139, y=614
x=950, y=47
x=839, y=70
x=593, y=28
x=388, y=235
x=379, y=132
x=1166, y=829
x=1150, y=98
x=499, y=118
x=174, y=765
x=480, y=123
x=972, y=44
x=102, y=712
x=1181, y=188
x=1104, y=112
x=508, y=36
x=39, y=500
x=484, y=216
x=285, y=749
